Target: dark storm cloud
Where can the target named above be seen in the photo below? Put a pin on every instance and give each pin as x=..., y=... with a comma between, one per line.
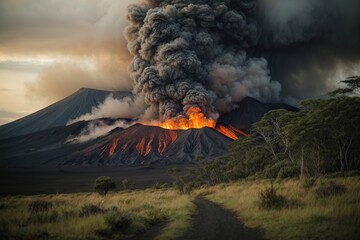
x=311, y=44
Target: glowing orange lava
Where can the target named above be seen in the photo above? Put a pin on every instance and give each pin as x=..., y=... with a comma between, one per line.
x=195, y=119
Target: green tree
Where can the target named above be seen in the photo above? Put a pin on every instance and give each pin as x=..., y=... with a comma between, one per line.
x=104, y=184
x=352, y=87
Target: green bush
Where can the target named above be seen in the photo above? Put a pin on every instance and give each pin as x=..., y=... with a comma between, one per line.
x=90, y=210
x=288, y=172
x=44, y=217
x=39, y=206
x=104, y=184
x=308, y=182
x=118, y=221
x=269, y=199
x=352, y=173
x=155, y=216
x=330, y=189
x=280, y=169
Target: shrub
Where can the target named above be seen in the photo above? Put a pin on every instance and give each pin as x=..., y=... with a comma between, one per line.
x=118, y=221
x=44, y=217
x=3, y=206
x=352, y=173
x=90, y=210
x=104, y=184
x=155, y=216
x=180, y=184
x=269, y=199
x=308, y=182
x=288, y=172
x=125, y=183
x=273, y=170
x=330, y=189
x=39, y=206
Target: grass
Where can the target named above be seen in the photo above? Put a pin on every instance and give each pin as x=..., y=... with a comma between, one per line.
x=313, y=217
x=306, y=215
x=88, y=215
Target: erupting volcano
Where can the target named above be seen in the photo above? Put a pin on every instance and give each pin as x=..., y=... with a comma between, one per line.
x=196, y=119
x=139, y=144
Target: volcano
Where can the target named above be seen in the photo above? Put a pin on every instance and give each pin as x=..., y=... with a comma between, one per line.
x=41, y=139
x=59, y=113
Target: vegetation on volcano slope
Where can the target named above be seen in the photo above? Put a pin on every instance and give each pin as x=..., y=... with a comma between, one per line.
x=322, y=138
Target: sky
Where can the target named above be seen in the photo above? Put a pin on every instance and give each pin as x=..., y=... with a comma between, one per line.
x=51, y=48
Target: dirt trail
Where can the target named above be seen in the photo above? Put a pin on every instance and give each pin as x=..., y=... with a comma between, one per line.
x=213, y=222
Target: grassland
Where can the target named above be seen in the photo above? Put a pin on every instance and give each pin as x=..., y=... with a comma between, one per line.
x=69, y=217
x=65, y=219
x=311, y=217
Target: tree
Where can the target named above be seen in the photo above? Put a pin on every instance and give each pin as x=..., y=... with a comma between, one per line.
x=104, y=184
x=352, y=87
x=332, y=127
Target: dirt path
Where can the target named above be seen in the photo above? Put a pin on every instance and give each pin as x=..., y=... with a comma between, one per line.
x=213, y=222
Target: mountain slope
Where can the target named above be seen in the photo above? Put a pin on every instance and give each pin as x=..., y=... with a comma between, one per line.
x=136, y=145
x=59, y=113
x=205, y=142
x=250, y=111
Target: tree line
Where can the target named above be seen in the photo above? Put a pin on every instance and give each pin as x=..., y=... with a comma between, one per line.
x=322, y=137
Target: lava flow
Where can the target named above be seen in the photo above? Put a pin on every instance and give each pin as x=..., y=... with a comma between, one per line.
x=196, y=119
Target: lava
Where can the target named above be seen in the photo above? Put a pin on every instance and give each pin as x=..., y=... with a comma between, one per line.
x=227, y=132
x=144, y=146
x=195, y=119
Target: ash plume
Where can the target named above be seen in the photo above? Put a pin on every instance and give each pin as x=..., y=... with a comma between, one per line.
x=196, y=54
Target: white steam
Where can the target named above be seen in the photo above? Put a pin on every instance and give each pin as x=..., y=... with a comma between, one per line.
x=97, y=129
x=114, y=108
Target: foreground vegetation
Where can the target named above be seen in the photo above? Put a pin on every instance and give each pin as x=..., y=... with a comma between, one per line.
x=304, y=214
x=291, y=209
x=92, y=216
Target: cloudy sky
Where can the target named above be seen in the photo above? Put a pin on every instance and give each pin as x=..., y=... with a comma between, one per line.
x=51, y=48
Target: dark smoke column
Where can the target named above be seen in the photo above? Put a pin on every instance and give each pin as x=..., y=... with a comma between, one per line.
x=194, y=54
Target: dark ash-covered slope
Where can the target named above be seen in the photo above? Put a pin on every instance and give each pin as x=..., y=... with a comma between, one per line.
x=136, y=145
x=59, y=113
x=48, y=147
x=250, y=111
x=205, y=142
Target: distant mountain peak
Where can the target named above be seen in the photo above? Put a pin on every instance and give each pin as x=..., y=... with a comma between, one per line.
x=59, y=113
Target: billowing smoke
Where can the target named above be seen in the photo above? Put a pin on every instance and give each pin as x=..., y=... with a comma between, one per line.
x=97, y=129
x=196, y=54
x=114, y=108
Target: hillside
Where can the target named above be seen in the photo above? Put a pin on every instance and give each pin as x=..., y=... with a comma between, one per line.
x=59, y=113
